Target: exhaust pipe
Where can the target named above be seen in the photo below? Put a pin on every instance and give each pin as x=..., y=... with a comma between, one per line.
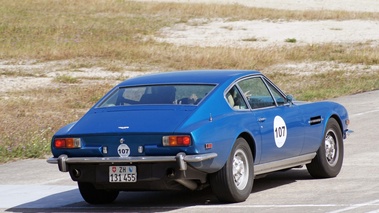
x=192, y=185
x=76, y=173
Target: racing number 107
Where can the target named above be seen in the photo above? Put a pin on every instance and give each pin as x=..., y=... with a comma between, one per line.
x=123, y=151
x=280, y=131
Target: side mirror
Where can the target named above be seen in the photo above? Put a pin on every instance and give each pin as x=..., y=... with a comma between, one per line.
x=290, y=99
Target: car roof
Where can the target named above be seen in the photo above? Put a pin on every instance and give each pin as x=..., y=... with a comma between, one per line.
x=189, y=76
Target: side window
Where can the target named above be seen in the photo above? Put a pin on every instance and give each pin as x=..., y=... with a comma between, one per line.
x=133, y=94
x=235, y=99
x=280, y=100
x=256, y=92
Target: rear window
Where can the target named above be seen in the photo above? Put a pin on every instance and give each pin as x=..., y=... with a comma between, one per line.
x=158, y=94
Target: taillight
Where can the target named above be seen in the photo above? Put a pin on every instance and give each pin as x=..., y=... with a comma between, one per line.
x=67, y=143
x=176, y=140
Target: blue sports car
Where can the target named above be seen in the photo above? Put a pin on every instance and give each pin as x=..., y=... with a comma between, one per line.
x=192, y=129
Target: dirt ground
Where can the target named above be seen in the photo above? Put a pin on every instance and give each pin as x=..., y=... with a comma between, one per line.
x=346, y=5
x=221, y=32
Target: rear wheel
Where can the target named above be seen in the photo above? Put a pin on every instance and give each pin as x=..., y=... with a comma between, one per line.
x=329, y=157
x=234, y=182
x=96, y=196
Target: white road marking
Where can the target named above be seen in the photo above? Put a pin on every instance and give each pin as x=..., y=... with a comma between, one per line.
x=349, y=206
x=356, y=206
x=364, y=113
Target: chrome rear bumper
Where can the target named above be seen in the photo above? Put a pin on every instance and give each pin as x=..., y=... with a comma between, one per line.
x=181, y=158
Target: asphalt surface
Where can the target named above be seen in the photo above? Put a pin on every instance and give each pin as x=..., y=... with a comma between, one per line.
x=36, y=186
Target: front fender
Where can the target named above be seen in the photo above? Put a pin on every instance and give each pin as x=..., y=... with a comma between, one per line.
x=316, y=130
x=341, y=115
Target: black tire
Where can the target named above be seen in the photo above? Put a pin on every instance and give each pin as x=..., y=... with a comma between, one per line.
x=234, y=182
x=96, y=196
x=328, y=160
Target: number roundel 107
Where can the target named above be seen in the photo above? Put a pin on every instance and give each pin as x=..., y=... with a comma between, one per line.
x=280, y=131
x=123, y=150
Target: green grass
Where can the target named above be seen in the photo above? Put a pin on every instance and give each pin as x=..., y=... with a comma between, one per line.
x=114, y=34
x=36, y=146
x=291, y=40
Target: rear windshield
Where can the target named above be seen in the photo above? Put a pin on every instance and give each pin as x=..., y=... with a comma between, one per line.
x=158, y=94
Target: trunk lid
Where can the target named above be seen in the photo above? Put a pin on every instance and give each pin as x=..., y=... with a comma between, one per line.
x=133, y=120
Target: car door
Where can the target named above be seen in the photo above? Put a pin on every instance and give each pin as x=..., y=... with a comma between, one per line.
x=281, y=124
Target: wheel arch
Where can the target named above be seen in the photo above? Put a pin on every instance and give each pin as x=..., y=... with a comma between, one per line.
x=250, y=140
x=339, y=121
x=327, y=164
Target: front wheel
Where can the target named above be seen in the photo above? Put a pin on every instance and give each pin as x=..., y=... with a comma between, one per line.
x=96, y=196
x=234, y=182
x=329, y=157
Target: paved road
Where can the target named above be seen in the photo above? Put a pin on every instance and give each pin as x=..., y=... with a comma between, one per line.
x=35, y=186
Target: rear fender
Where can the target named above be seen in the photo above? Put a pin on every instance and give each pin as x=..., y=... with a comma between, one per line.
x=222, y=133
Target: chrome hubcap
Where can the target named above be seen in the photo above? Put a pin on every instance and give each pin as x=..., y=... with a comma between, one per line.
x=331, y=148
x=240, y=169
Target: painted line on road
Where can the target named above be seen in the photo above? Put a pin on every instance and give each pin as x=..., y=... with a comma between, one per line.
x=233, y=206
x=364, y=113
x=350, y=206
x=356, y=206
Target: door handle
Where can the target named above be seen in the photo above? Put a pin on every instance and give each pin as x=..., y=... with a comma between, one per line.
x=261, y=119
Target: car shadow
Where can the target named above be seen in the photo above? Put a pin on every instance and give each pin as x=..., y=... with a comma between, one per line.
x=280, y=178
x=151, y=201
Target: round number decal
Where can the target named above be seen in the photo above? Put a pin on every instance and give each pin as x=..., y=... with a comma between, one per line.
x=280, y=131
x=123, y=150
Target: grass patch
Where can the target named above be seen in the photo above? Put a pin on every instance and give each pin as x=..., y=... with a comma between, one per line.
x=326, y=85
x=66, y=79
x=252, y=39
x=37, y=146
x=291, y=40
x=30, y=118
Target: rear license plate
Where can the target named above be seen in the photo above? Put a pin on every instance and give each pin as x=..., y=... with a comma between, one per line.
x=121, y=174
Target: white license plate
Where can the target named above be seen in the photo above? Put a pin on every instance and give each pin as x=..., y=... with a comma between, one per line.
x=121, y=174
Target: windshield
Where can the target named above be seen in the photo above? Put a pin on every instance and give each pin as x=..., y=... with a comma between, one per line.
x=158, y=94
